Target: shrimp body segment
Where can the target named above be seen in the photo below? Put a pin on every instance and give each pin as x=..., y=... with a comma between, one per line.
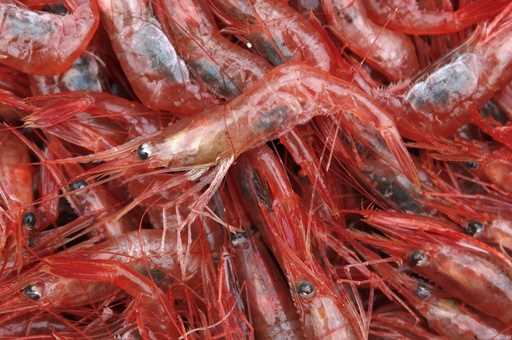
x=44, y=43
x=391, y=53
x=407, y=17
x=156, y=73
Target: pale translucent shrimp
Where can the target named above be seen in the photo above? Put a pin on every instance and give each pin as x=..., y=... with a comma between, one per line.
x=156, y=73
x=45, y=43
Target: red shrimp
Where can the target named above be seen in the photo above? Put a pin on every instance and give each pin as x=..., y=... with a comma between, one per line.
x=87, y=199
x=271, y=308
x=446, y=316
x=278, y=32
x=324, y=313
x=443, y=98
x=475, y=217
x=226, y=68
x=145, y=251
x=370, y=170
x=16, y=173
x=408, y=17
x=158, y=76
x=389, y=52
x=45, y=43
x=494, y=164
x=155, y=316
x=448, y=258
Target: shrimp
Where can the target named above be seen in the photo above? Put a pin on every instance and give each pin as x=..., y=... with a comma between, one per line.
x=367, y=163
x=226, y=68
x=447, y=258
x=43, y=43
x=389, y=52
x=16, y=172
x=443, y=98
x=159, y=78
x=278, y=32
x=155, y=316
x=88, y=199
x=284, y=98
x=144, y=251
x=271, y=307
x=407, y=17
x=324, y=313
x=446, y=316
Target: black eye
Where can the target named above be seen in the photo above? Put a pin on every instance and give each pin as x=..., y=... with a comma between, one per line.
x=474, y=227
x=423, y=292
x=144, y=151
x=78, y=185
x=32, y=292
x=471, y=165
x=417, y=258
x=29, y=219
x=238, y=238
x=305, y=289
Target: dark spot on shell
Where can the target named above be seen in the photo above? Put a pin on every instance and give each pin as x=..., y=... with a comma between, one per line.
x=347, y=17
x=262, y=190
x=210, y=73
x=273, y=119
x=267, y=49
x=491, y=109
x=392, y=190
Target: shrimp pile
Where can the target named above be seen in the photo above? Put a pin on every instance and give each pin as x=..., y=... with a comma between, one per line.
x=256, y=169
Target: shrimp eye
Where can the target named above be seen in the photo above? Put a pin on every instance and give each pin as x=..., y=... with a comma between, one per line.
x=29, y=219
x=78, y=185
x=471, y=165
x=32, y=292
x=474, y=227
x=417, y=258
x=144, y=151
x=238, y=238
x=305, y=289
x=423, y=292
